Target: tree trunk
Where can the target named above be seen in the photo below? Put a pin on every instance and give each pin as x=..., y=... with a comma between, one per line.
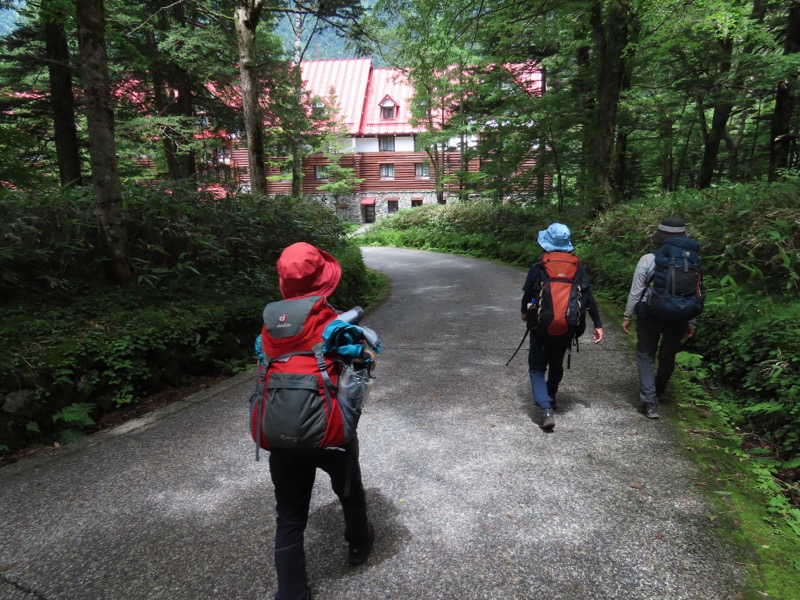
x=711, y=149
x=780, y=138
x=719, y=120
x=585, y=100
x=620, y=164
x=62, y=103
x=610, y=42
x=665, y=131
x=162, y=100
x=297, y=158
x=733, y=143
x=247, y=16
x=102, y=144
x=184, y=105
x=541, y=154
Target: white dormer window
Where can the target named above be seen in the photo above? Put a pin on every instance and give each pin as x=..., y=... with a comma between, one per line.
x=388, y=108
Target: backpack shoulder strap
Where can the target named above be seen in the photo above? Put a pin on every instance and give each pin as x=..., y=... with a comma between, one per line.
x=323, y=371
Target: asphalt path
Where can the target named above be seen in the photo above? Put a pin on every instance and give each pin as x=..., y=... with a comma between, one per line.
x=470, y=499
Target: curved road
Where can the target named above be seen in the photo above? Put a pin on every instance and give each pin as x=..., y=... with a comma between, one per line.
x=470, y=499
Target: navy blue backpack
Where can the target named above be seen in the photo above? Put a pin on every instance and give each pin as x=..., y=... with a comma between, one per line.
x=677, y=283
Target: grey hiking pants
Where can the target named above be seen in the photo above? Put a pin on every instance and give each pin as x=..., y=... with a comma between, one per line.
x=656, y=340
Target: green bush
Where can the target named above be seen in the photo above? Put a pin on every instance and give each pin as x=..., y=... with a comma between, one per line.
x=203, y=271
x=762, y=356
x=481, y=228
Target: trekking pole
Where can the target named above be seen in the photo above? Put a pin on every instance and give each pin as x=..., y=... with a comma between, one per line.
x=520, y=345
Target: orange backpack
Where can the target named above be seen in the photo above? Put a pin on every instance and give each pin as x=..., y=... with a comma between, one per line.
x=559, y=304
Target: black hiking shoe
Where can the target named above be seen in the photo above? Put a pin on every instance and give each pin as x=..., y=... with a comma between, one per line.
x=548, y=422
x=651, y=410
x=358, y=553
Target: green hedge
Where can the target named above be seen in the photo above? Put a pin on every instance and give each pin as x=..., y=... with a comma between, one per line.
x=486, y=229
x=76, y=347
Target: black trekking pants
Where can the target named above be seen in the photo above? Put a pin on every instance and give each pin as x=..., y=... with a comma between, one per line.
x=293, y=473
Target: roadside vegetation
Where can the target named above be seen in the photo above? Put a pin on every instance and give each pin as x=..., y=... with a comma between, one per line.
x=740, y=385
x=76, y=349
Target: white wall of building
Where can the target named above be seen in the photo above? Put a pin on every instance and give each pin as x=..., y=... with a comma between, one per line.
x=401, y=144
x=366, y=144
x=404, y=144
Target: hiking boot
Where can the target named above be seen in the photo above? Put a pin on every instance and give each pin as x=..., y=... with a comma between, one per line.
x=651, y=410
x=358, y=553
x=548, y=422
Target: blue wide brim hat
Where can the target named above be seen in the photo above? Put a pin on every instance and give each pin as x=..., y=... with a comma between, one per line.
x=556, y=238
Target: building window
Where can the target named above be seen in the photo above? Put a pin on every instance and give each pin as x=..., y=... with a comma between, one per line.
x=388, y=109
x=387, y=171
x=392, y=206
x=386, y=144
x=416, y=202
x=320, y=172
x=421, y=171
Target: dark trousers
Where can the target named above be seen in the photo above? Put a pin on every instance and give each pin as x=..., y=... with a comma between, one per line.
x=661, y=340
x=293, y=474
x=546, y=354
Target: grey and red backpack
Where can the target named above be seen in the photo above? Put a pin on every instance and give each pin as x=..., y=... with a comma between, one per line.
x=297, y=402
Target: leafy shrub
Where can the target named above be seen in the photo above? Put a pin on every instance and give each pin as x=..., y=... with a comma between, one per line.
x=52, y=241
x=762, y=355
x=203, y=271
x=482, y=228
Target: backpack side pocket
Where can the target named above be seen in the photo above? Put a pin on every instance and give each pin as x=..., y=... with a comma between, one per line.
x=354, y=386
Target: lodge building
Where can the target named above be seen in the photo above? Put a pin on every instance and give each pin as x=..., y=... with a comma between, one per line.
x=374, y=107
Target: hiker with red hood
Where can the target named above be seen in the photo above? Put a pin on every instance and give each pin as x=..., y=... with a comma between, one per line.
x=300, y=413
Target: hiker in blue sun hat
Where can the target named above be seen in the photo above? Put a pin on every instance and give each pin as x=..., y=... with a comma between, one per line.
x=556, y=296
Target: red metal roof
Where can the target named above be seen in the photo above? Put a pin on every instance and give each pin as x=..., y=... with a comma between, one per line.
x=360, y=90
x=391, y=83
x=349, y=77
x=528, y=76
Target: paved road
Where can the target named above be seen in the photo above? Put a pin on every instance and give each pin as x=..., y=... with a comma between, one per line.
x=471, y=500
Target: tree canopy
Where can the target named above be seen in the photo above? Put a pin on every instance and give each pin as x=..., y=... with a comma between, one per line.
x=632, y=96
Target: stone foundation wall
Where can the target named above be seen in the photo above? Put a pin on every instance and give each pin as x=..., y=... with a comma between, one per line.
x=354, y=211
